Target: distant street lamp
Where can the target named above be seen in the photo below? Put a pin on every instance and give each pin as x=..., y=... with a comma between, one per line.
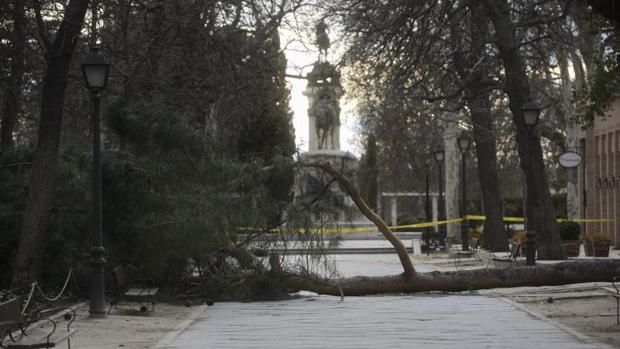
x=96, y=70
x=463, y=141
x=439, y=154
x=531, y=115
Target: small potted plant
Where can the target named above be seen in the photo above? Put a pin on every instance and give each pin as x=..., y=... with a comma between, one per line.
x=475, y=236
x=569, y=233
x=596, y=245
x=519, y=239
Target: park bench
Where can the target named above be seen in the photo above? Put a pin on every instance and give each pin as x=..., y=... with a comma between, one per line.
x=510, y=260
x=19, y=333
x=11, y=319
x=131, y=287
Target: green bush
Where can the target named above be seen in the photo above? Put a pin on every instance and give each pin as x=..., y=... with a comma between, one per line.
x=569, y=231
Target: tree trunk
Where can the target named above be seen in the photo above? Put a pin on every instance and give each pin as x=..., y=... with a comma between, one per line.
x=16, y=75
x=495, y=238
x=478, y=100
x=59, y=54
x=373, y=217
x=541, y=216
x=572, y=188
x=451, y=169
x=465, y=280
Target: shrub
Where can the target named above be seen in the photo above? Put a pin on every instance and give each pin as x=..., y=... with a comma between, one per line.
x=569, y=231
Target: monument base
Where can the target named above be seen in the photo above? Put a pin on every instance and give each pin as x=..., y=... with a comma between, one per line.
x=334, y=157
x=348, y=216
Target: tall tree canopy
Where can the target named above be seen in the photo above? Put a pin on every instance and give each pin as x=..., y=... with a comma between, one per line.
x=197, y=130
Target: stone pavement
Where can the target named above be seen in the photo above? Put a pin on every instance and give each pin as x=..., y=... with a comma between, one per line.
x=417, y=321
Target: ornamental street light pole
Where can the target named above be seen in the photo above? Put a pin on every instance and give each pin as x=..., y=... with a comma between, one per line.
x=464, y=142
x=96, y=70
x=531, y=114
x=440, y=155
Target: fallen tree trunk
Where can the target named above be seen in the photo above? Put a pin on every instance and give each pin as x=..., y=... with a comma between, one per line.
x=464, y=280
x=453, y=281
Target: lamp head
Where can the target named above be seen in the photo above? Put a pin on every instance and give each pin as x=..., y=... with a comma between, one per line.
x=463, y=142
x=439, y=154
x=96, y=70
x=531, y=113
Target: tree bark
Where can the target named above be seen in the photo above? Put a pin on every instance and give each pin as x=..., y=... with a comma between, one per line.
x=478, y=99
x=451, y=169
x=16, y=75
x=59, y=54
x=465, y=280
x=540, y=217
x=495, y=238
x=373, y=217
x=566, y=89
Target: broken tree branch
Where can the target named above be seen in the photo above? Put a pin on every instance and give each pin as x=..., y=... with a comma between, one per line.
x=405, y=261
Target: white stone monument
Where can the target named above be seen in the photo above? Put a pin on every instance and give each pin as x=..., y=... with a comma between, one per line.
x=324, y=92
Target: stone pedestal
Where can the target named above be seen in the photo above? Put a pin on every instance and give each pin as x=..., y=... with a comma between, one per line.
x=311, y=181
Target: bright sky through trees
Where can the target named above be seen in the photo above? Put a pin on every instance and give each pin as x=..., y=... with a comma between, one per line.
x=300, y=57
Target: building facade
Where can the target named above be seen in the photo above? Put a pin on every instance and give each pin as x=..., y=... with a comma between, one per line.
x=599, y=175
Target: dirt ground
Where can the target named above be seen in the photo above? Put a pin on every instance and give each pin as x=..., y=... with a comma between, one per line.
x=126, y=327
x=587, y=309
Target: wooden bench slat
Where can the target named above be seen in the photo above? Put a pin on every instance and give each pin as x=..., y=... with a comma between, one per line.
x=140, y=292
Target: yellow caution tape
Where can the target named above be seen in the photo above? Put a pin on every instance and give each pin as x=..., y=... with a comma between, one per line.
x=371, y=228
x=585, y=220
x=428, y=224
x=521, y=219
x=482, y=218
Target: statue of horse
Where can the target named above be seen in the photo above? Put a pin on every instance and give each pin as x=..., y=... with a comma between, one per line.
x=325, y=111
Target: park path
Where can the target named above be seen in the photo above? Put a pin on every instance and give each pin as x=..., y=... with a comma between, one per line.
x=420, y=321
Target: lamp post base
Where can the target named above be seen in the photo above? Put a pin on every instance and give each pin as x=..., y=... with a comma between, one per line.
x=97, y=283
x=530, y=247
x=464, y=236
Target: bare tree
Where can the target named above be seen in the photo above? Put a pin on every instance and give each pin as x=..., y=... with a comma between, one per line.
x=540, y=217
x=59, y=53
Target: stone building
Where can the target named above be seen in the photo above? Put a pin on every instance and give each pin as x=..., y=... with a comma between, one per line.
x=599, y=175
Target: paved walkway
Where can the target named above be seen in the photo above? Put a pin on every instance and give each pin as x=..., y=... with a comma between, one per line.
x=421, y=321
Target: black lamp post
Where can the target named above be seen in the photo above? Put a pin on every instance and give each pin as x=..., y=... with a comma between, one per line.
x=96, y=71
x=439, y=154
x=531, y=114
x=427, y=208
x=464, y=142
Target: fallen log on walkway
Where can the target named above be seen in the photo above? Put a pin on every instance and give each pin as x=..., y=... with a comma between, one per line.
x=411, y=281
x=465, y=280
